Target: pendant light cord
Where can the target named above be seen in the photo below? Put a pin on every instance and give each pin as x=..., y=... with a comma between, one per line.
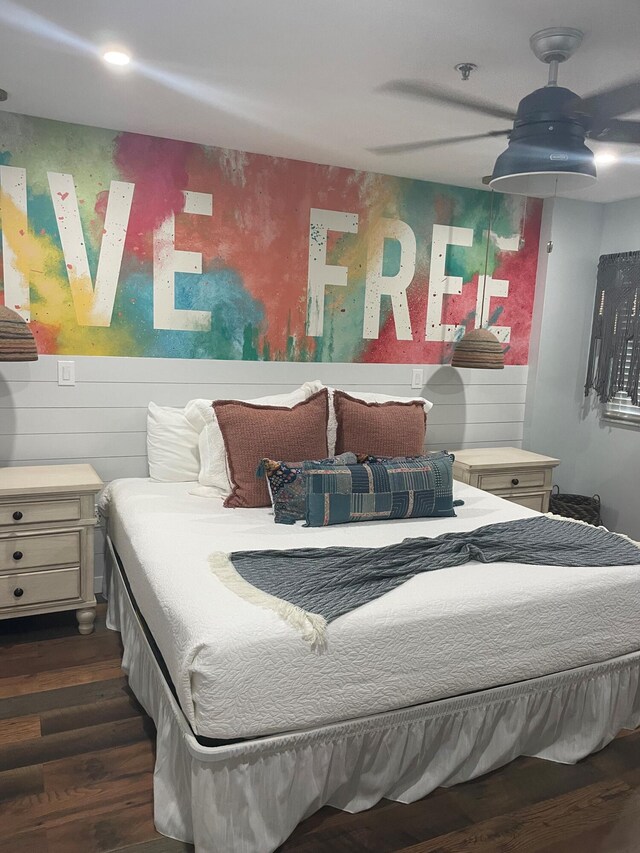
x=486, y=259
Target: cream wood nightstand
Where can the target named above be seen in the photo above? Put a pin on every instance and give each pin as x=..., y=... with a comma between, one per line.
x=47, y=519
x=519, y=476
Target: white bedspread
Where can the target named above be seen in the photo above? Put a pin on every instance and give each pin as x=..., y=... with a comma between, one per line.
x=240, y=671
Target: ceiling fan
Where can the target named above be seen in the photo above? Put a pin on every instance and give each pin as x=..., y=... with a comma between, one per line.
x=546, y=152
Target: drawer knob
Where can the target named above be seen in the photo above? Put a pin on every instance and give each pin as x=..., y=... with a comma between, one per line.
x=17, y=515
x=18, y=592
x=515, y=481
x=17, y=555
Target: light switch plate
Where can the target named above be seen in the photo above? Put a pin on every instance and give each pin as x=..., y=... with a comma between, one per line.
x=417, y=378
x=66, y=373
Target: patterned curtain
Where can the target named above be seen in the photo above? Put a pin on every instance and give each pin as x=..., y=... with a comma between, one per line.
x=614, y=355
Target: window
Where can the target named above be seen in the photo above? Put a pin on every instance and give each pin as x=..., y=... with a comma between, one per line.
x=620, y=407
x=614, y=356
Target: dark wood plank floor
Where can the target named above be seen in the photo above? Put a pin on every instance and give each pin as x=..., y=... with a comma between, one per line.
x=76, y=763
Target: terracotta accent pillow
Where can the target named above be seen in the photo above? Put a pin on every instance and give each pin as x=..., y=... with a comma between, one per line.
x=379, y=429
x=251, y=432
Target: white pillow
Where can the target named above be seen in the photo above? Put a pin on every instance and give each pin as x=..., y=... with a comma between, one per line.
x=368, y=397
x=213, y=458
x=172, y=445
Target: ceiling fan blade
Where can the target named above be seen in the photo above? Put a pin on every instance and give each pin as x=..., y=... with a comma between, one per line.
x=429, y=92
x=432, y=143
x=616, y=101
x=616, y=130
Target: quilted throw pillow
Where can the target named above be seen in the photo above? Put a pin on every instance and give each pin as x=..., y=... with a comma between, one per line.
x=286, y=485
x=395, y=488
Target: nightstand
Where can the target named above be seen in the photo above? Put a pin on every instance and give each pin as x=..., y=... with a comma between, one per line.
x=518, y=475
x=47, y=519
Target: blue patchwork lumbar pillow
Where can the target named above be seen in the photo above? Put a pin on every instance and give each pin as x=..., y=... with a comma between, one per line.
x=286, y=485
x=412, y=487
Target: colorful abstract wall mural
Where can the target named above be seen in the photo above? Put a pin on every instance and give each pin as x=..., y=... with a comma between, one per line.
x=129, y=245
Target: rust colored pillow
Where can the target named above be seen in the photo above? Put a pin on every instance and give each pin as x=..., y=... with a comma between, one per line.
x=252, y=431
x=379, y=429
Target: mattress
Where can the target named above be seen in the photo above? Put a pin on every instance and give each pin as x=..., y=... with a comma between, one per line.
x=240, y=671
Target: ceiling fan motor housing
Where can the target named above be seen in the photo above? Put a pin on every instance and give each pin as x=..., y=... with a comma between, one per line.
x=548, y=139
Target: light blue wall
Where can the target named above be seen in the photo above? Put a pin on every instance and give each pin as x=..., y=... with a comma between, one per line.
x=621, y=227
x=597, y=455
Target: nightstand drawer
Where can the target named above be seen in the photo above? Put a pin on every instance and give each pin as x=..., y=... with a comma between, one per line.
x=517, y=479
x=46, y=549
x=21, y=589
x=39, y=512
x=537, y=502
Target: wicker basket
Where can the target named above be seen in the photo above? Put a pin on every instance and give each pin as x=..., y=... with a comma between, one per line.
x=580, y=507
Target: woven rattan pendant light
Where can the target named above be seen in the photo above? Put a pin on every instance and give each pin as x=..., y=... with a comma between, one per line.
x=16, y=341
x=479, y=348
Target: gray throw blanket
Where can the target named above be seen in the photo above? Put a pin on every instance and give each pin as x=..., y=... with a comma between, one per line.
x=309, y=587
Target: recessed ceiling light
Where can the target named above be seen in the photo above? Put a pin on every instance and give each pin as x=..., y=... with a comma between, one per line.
x=116, y=57
x=605, y=158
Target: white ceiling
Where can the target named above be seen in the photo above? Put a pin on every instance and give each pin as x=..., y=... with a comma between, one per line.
x=298, y=78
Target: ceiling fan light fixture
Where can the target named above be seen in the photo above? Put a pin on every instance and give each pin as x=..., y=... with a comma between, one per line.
x=546, y=154
x=541, y=171
x=541, y=184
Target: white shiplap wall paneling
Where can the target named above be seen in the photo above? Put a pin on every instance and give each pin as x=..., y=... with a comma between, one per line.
x=130, y=394
x=102, y=419
x=206, y=371
x=28, y=421
x=66, y=445
x=454, y=413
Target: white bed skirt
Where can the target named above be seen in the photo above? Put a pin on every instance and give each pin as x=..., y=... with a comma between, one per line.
x=248, y=797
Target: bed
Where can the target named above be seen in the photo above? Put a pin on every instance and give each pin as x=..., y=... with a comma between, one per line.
x=446, y=677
